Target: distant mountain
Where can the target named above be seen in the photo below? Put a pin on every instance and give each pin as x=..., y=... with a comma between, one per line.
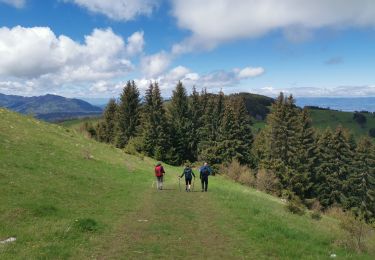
x=49, y=107
x=257, y=105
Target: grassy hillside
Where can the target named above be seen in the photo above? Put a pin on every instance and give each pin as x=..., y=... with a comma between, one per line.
x=66, y=196
x=330, y=118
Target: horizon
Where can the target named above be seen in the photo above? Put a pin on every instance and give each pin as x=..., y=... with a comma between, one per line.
x=85, y=48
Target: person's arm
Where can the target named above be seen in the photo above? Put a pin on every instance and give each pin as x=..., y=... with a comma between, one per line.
x=183, y=173
x=200, y=173
x=162, y=169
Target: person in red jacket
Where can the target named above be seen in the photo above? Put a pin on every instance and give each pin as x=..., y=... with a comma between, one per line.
x=159, y=173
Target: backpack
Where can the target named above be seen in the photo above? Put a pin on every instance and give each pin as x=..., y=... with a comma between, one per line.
x=205, y=171
x=188, y=173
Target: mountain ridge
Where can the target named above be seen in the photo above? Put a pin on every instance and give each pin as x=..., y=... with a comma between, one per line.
x=49, y=107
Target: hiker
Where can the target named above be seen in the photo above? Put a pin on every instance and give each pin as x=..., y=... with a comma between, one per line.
x=189, y=174
x=159, y=173
x=204, y=171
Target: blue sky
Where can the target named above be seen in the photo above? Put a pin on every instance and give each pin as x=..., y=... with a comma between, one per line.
x=90, y=48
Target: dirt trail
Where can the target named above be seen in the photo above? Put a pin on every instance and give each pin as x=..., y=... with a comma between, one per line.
x=170, y=224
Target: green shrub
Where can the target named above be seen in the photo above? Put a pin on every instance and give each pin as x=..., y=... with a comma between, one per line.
x=86, y=225
x=267, y=181
x=296, y=207
x=316, y=215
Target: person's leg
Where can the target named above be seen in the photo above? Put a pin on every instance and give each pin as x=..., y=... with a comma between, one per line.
x=186, y=184
x=202, y=181
x=161, y=182
x=206, y=183
x=158, y=182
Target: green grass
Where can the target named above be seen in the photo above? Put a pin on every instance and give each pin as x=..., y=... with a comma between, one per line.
x=60, y=205
x=75, y=123
x=329, y=118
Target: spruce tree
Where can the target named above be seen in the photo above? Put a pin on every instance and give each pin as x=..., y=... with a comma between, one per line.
x=110, y=121
x=180, y=124
x=334, y=167
x=128, y=114
x=361, y=182
x=196, y=109
x=325, y=178
x=244, y=133
x=155, y=134
x=282, y=139
x=306, y=158
x=227, y=138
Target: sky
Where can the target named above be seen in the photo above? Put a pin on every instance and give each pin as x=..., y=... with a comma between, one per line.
x=90, y=48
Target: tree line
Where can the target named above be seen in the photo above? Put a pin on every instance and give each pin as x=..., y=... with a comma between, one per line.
x=328, y=166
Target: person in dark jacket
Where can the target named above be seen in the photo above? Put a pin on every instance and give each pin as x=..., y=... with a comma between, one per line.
x=189, y=174
x=159, y=173
x=204, y=172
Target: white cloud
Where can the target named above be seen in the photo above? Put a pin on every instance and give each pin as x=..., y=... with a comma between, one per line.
x=213, y=81
x=215, y=21
x=47, y=62
x=15, y=3
x=333, y=91
x=118, y=9
x=135, y=44
x=156, y=64
x=249, y=72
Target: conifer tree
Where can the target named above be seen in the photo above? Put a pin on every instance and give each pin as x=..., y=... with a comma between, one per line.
x=306, y=158
x=282, y=139
x=110, y=121
x=361, y=182
x=334, y=166
x=244, y=133
x=180, y=124
x=128, y=114
x=196, y=109
x=227, y=139
x=154, y=124
x=325, y=179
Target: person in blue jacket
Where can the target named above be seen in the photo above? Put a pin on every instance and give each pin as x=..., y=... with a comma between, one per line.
x=204, y=172
x=189, y=174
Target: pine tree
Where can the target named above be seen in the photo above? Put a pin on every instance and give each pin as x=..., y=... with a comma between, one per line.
x=282, y=139
x=326, y=179
x=196, y=109
x=361, y=182
x=245, y=135
x=207, y=146
x=227, y=138
x=334, y=167
x=110, y=121
x=155, y=134
x=128, y=114
x=305, y=157
x=180, y=124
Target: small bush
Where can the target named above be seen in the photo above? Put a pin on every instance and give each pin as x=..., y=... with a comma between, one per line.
x=295, y=206
x=86, y=225
x=267, y=181
x=357, y=232
x=247, y=178
x=316, y=215
x=134, y=146
x=239, y=173
x=360, y=118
